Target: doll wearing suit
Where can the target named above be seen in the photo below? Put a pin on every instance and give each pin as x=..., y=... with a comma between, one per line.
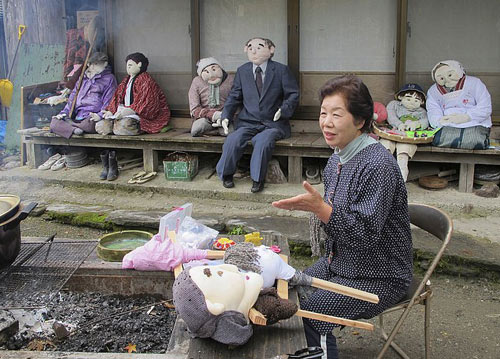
x=268, y=94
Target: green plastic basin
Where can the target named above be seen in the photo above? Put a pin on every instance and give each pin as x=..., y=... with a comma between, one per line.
x=112, y=247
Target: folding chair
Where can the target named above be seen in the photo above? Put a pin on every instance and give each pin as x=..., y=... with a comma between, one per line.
x=439, y=224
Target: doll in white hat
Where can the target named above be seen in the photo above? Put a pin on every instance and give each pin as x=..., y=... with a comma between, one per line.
x=207, y=95
x=461, y=105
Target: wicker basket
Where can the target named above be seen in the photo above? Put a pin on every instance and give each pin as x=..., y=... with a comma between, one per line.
x=383, y=132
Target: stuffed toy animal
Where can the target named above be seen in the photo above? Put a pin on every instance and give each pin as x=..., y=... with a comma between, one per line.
x=461, y=105
x=207, y=95
x=406, y=113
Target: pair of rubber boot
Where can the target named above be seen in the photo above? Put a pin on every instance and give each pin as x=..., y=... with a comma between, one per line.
x=109, y=165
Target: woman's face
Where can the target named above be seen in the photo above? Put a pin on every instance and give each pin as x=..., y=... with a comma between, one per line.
x=337, y=123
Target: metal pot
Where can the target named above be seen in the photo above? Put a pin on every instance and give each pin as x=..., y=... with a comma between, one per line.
x=10, y=235
x=9, y=205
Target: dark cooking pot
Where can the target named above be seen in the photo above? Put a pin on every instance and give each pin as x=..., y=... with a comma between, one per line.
x=9, y=205
x=10, y=235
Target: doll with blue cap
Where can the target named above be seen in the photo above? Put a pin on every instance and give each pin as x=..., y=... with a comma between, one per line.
x=406, y=113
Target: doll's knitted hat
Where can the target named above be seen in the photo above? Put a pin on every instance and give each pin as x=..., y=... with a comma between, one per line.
x=230, y=327
x=207, y=61
x=410, y=87
x=98, y=57
x=455, y=65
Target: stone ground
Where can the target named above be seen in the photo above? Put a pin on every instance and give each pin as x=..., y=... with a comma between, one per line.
x=466, y=311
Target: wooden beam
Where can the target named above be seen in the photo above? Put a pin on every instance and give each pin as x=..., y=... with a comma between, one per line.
x=195, y=35
x=335, y=320
x=106, y=11
x=342, y=289
x=293, y=38
x=402, y=33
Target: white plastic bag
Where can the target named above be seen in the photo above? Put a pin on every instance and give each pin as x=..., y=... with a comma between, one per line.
x=172, y=220
x=193, y=234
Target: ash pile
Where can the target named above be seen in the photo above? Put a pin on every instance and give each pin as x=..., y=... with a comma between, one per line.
x=90, y=322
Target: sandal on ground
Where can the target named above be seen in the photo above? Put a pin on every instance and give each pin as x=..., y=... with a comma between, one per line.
x=136, y=177
x=47, y=164
x=147, y=177
x=59, y=164
x=307, y=353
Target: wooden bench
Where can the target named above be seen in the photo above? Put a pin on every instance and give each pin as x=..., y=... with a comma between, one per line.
x=306, y=141
x=300, y=144
x=303, y=143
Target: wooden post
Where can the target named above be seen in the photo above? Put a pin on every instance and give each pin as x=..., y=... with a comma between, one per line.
x=293, y=38
x=402, y=33
x=195, y=35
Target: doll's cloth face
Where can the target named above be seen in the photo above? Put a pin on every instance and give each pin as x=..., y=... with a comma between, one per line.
x=212, y=74
x=258, y=52
x=95, y=69
x=446, y=76
x=411, y=101
x=133, y=68
x=225, y=288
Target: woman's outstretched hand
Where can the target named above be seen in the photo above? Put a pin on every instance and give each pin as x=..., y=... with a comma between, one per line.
x=311, y=201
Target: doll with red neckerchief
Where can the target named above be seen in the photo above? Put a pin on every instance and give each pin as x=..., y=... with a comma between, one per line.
x=461, y=105
x=406, y=113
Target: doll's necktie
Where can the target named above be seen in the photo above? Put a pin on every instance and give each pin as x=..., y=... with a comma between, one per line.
x=258, y=79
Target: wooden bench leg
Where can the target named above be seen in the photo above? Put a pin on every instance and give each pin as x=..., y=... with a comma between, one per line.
x=35, y=155
x=150, y=158
x=294, y=169
x=466, y=178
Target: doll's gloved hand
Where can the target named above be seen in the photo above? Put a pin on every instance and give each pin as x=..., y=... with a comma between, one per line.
x=216, y=118
x=412, y=125
x=95, y=117
x=300, y=278
x=59, y=117
x=455, y=118
x=225, y=126
x=107, y=114
x=277, y=115
x=402, y=126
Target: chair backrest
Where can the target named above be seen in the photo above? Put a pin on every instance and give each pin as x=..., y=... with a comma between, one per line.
x=435, y=222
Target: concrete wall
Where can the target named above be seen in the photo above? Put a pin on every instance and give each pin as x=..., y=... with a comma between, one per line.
x=160, y=30
x=343, y=35
x=226, y=26
x=454, y=29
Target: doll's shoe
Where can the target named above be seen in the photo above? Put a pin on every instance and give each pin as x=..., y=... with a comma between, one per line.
x=136, y=177
x=59, y=164
x=47, y=164
x=147, y=177
x=257, y=186
x=227, y=181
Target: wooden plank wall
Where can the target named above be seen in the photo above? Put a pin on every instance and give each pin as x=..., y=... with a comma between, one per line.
x=43, y=19
x=41, y=53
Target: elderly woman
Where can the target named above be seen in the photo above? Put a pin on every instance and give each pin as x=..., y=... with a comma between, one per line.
x=364, y=212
